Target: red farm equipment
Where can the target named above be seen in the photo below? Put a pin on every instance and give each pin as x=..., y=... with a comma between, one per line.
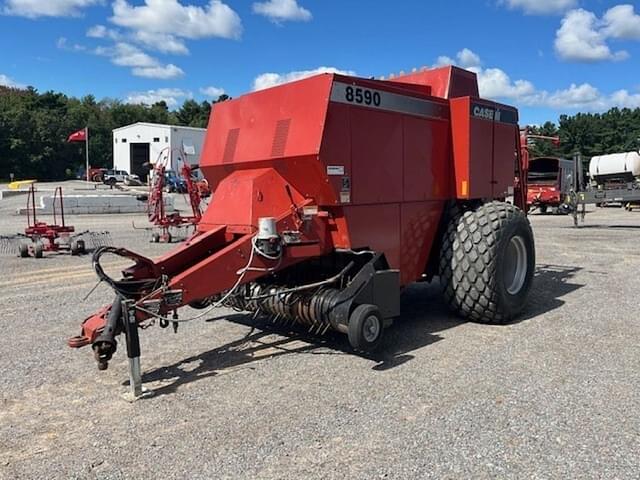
x=156, y=207
x=40, y=237
x=550, y=179
x=330, y=195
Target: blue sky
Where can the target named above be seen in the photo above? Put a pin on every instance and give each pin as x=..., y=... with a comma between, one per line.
x=547, y=57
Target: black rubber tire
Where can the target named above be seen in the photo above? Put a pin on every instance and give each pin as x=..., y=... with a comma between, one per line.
x=82, y=247
x=472, y=261
x=169, y=238
x=543, y=209
x=38, y=249
x=155, y=237
x=356, y=330
x=75, y=250
x=23, y=249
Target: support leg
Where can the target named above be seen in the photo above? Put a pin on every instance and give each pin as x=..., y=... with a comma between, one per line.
x=137, y=391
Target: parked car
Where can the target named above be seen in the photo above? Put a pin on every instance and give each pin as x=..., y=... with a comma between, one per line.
x=173, y=183
x=111, y=177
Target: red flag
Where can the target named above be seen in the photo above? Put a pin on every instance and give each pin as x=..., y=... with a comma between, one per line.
x=79, y=136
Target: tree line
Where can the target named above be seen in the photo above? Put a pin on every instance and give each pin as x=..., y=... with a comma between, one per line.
x=34, y=128
x=615, y=131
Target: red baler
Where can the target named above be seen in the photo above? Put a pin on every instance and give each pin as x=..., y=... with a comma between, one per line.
x=330, y=195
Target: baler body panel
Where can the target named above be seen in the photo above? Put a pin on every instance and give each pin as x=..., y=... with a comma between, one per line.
x=391, y=169
x=444, y=82
x=382, y=157
x=485, y=136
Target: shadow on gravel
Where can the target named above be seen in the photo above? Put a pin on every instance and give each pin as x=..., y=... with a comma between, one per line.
x=550, y=283
x=424, y=315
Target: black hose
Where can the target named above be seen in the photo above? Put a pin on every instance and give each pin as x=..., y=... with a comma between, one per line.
x=128, y=288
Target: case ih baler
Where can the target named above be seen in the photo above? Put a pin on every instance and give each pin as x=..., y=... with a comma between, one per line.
x=330, y=195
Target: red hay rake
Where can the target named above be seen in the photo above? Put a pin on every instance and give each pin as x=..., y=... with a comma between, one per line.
x=40, y=237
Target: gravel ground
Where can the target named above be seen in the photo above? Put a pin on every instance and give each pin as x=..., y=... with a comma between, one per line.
x=553, y=395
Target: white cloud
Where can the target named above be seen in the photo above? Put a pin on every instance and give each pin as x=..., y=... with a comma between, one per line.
x=127, y=55
x=212, y=92
x=496, y=84
x=170, y=17
x=541, y=7
x=465, y=59
x=47, y=8
x=172, y=96
x=582, y=37
x=622, y=22
x=5, y=81
x=100, y=31
x=161, y=42
x=142, y=64
x=267, y=80
x=63, y=44
x=162, y=72
x=282, y=10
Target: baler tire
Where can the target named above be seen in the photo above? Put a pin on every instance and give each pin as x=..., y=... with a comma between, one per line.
x=474, y=266
x=365, y=328
x=543, y=209
x=23, y=249
x=155, y=237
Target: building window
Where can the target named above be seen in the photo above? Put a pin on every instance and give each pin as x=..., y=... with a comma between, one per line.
x=166, y=139
x=124, y=140
x=115, y=140
x=156, y=139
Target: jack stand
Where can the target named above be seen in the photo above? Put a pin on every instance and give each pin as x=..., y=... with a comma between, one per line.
x=133, y=352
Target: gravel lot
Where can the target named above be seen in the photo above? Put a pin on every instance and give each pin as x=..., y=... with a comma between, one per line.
x=554, y=395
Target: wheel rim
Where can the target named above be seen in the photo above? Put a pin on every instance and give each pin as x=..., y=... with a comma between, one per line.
x=371, y=328
x=515, y=269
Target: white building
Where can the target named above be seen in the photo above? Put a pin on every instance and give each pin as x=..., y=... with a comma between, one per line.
x=138, y=146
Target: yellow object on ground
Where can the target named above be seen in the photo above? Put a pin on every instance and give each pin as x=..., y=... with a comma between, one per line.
x=21, y=183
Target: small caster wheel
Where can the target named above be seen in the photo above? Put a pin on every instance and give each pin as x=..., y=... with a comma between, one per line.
x=24, y=250
x=365, y=328
x=38, y=249
x=75, y=250
x=155, y=237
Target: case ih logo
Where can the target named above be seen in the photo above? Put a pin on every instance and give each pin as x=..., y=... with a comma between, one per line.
x=486, y=113
x=494, y=114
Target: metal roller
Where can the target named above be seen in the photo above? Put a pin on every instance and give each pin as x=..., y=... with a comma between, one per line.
x=312, y=309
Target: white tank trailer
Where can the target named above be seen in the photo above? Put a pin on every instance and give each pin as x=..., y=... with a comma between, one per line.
x=615, y=168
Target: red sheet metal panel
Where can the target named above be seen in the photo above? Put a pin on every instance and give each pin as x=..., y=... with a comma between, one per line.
x=285, y=121
x=427, y=162
x=246, y=195
x=484, y=147
x=444, y=82
x=419, y=224
x=376, y=156
x=505, y=149
x=376, y=227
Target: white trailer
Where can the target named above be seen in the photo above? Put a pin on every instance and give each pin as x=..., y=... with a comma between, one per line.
x=137, y=147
